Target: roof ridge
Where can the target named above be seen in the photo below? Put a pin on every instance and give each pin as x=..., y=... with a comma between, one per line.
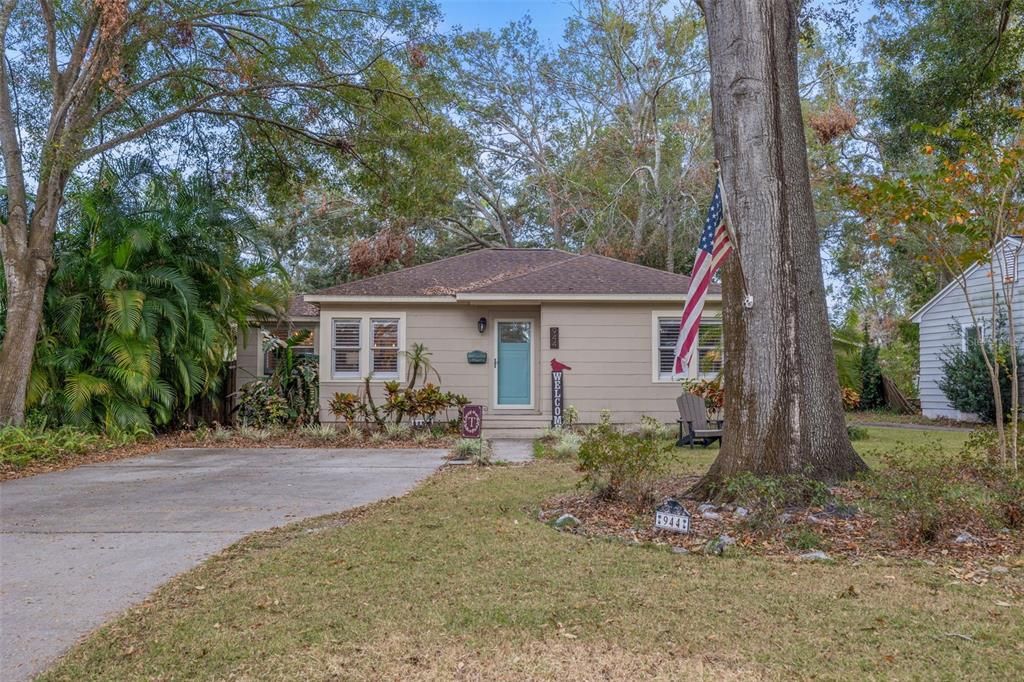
x=572, y=257
x=636, y=265
x=412, y=267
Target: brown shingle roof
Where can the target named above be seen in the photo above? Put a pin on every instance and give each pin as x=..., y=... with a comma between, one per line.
x=518, y=271
x=297, y=307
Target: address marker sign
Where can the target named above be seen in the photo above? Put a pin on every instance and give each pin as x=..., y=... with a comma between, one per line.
x=670, y=515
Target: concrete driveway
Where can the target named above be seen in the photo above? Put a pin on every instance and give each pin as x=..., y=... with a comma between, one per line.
x=79, y=546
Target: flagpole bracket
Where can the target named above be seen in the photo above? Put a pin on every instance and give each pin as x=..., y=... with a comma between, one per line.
x=748, y=301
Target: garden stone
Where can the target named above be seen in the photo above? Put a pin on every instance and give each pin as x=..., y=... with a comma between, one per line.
x=842, y=511
x=720, y=544
x=785, y=517
x=680, y=550
x=741, y=512
x=999, y=570
x=965, y=538
x=712, y=516
x=815, y=519
x=566, y=521
x=706, y=507
x=816, y=555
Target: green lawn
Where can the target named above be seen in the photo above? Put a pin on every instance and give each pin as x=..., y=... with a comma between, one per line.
x=459, y=581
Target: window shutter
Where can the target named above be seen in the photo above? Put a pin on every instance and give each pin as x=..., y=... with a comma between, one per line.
x=384, y=346
x=345, y=346
x=668, y=335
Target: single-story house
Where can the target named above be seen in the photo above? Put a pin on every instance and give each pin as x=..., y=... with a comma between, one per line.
x=493, y=321
x=252, y=362
x=945, y=320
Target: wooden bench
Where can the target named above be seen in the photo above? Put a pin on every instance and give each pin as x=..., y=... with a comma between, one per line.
x=694, y=415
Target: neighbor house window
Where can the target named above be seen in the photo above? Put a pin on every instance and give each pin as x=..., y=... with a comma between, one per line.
x=298, y=351
x=346, y=347
x=709, y=353
x=384, y=347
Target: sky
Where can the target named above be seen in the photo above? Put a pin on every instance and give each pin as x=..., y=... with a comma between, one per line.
x=548, y=15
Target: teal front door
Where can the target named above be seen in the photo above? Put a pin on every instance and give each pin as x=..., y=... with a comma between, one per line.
x=513, y=364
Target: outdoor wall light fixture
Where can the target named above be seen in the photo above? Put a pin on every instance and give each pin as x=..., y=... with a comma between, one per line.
x=481, y=325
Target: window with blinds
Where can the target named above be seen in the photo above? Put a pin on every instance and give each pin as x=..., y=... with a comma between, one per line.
x=668, y=334
x=345, y=348
x=709, y=346
x=384, y=347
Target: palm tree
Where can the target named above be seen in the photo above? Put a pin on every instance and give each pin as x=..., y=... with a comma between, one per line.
x=149, y=287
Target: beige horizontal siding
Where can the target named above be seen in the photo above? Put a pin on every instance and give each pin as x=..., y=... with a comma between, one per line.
x=608, y=345
x=610, y=349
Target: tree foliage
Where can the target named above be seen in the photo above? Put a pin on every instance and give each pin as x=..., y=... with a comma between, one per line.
x=947, y=62
x=149, y=287
x=965, y=378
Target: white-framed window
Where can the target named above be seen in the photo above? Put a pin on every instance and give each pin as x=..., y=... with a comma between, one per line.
x=970, y=333
x=384, y=333
x=346, y=347
x=706, y=362
x=710, y=348
x=366, y=344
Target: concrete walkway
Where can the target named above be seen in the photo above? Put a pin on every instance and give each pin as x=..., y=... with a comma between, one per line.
x=512, y=450
x=79, y=546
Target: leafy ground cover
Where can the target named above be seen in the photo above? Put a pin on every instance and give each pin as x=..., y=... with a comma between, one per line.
x=29, y=451
x=926, y=497
x=460, y=580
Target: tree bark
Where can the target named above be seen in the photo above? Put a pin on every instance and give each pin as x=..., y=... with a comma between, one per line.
x=26, y=273
x=783, y=408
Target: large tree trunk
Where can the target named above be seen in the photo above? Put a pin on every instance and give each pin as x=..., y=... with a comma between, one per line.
x=783, y=408
x=26, y=274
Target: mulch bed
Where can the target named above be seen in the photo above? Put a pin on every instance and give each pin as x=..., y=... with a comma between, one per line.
x=187, y=439
x=845, y=532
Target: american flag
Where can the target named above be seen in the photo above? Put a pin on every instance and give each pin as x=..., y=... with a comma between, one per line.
x=713, y=248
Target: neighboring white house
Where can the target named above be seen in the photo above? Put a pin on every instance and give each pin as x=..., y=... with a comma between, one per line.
x=946, y=321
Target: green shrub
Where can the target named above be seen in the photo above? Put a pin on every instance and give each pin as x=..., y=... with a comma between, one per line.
x=650, y=427
x=324, y=432
x=803, y=539
x=21, y=446
x=260, y=406
x=254, y=434
x=872, y=395
x=794, y=490
x=769, y=496
x=925, y=496
x=399, y=432
x=567, y=446
x=856, y=432
x=476, y=450
x=965, y=379
x=614, y=463
x=295, y=378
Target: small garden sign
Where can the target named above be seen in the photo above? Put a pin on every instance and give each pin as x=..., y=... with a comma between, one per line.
x=472, y=421
x=670, y=515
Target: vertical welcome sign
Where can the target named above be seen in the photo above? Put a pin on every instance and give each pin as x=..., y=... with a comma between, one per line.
x=557, y=393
